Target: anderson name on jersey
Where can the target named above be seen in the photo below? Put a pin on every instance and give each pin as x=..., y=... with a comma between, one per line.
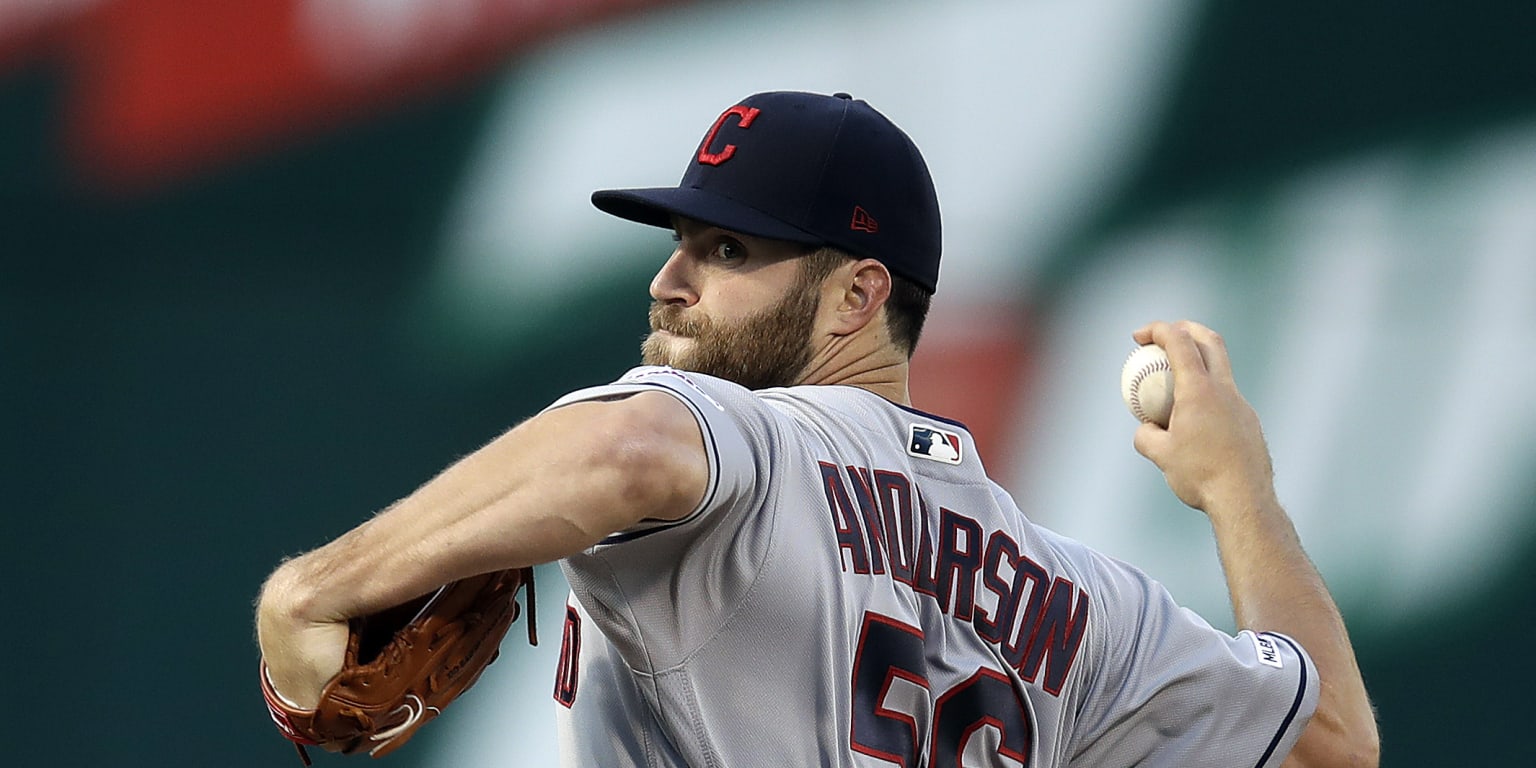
x=854, y=591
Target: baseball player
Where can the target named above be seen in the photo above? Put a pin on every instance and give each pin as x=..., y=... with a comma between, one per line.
x=776, y=560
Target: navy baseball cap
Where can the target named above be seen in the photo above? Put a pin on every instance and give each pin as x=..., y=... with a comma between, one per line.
x=806, y=168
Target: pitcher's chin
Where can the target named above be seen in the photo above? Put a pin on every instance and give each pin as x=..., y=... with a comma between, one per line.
x=665, y=348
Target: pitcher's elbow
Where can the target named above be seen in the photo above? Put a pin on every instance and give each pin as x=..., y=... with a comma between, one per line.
x=1360, y=755
x=1337, y=749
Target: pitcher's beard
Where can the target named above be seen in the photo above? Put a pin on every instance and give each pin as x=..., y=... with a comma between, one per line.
x=769, y=349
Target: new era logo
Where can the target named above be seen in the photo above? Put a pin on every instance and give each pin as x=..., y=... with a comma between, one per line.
x=936, y=444
x=863, y=222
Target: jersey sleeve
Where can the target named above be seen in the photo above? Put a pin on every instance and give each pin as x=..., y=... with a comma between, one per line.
x=661, y=588
x=720, y=408
x=1171, y=690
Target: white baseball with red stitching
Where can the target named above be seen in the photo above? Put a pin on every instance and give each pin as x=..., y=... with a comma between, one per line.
x=1146, y=384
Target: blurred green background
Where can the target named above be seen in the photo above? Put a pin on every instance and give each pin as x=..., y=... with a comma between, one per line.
x=265, y=269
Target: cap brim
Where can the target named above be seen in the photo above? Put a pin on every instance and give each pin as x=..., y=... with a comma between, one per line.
x=656, y=207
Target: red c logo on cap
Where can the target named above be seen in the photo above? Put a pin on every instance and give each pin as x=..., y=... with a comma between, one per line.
x=744, y=117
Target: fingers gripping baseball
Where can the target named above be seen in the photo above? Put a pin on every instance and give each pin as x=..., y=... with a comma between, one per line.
x=1213, y=448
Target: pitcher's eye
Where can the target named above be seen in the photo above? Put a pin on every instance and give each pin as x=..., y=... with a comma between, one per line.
x=728, y=249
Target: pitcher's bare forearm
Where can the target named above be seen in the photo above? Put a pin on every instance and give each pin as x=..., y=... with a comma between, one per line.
x=1275, y=587
x=549, y=488
x=1215, y=459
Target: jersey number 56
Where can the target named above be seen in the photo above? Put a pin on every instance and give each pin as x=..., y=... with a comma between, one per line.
x=892, y=727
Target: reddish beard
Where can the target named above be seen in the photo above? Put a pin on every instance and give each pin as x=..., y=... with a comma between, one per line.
x=769, y=349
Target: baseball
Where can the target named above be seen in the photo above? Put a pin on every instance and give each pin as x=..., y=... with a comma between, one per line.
x=1146, y=384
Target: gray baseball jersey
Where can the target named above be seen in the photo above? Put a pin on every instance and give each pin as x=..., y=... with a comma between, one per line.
x=854, y=591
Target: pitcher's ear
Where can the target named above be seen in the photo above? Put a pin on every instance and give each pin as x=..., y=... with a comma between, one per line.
x=866, y=285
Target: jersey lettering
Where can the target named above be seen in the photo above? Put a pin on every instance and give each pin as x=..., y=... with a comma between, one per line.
x=850, y=537
x=1036, y=621
x=568, y=673
x=894, y=492
x=959, y=559
x=922, y=580
x=974, y=723
x=1058, y=633
x=986, y=700
x=889, y=658
x=864, y=493
x=1027, y=602
x=992, y=625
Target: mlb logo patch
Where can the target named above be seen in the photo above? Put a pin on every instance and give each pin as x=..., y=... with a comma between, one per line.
x=932, y=443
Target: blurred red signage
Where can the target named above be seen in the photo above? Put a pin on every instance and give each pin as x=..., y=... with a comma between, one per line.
x=157, y=89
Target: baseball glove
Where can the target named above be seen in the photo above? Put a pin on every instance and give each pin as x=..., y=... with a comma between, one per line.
x=405, y=664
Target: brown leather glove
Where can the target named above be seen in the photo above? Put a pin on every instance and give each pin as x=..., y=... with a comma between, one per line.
x=405, y=664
